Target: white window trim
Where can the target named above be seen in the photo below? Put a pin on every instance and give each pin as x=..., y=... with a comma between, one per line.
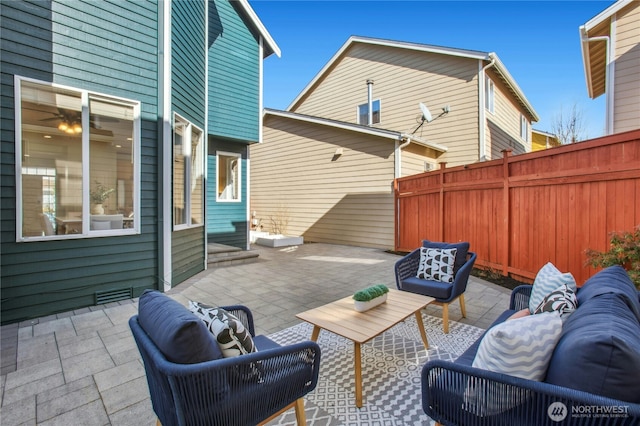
x=187, y=164
x=229, y=154
x=524, y=128
x=367, y=104
x=490, y=95
x=86, y=205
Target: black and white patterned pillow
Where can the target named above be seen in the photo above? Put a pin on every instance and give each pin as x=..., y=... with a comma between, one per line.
x=232, y=337
x=436, y=264
x=563, y=300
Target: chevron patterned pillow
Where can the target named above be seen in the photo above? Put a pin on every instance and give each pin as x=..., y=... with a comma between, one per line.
x=521, y=347
x=547, y=280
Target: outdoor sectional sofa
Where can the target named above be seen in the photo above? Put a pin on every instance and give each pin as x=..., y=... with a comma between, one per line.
x=592, y=378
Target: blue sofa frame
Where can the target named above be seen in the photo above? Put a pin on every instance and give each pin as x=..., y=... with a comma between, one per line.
x=444, y=384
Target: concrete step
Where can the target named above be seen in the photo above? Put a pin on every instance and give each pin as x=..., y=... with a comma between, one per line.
x=222, y=255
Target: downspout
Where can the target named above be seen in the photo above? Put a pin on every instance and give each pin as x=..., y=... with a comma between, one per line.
x=398, y=154
x=482, y=116
x=607, y=79
x=164, y=183
x=370, y=102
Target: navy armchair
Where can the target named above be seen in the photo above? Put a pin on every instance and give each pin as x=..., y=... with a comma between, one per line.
x=406, y=270
x=243, y=390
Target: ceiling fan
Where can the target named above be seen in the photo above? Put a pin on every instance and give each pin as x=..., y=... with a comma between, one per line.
x=71, y=122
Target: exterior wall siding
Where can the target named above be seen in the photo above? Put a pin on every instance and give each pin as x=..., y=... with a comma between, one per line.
x=504, y=125
x=234, y=74
x=98, y=47
x=402, y=79
x=414, y=158
x=189, y=85
x=346, y=200
x=188, y=60
x=227, y=222
x=627, y=62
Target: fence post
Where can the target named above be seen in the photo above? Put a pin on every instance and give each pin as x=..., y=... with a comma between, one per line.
x=506, y=223
x=443, y=165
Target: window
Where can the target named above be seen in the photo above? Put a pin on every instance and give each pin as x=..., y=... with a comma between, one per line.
x=188, y=174
x=228, y=176
x=524, y=128
x=489, y=95
x=76, y=162
x=363, y=113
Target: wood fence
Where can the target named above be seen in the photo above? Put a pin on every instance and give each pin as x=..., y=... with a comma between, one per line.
x=523, y=211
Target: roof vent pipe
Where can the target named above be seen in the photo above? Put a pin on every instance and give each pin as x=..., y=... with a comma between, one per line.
x=370, y=102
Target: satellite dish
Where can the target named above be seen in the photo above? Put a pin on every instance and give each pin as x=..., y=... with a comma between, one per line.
x=426, y=115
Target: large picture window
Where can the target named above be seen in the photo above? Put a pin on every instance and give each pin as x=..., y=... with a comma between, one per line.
x=188, y=174
x=228, y=176
x=76, y=162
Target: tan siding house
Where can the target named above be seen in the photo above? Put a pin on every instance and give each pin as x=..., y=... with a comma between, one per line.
x=347, y=198
x=611, y=57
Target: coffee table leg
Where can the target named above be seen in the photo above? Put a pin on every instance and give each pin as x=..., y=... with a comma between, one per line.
x=358, y=365
x=423, y=333
x=315, y=333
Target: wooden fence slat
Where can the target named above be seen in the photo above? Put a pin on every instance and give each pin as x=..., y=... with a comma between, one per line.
x=522, y=211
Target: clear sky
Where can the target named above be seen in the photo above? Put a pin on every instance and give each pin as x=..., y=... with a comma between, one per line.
x=538, y=42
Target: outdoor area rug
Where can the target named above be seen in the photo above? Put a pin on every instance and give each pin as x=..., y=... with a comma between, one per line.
x=391, y=367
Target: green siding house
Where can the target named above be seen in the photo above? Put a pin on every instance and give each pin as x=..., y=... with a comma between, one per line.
x=115, y=128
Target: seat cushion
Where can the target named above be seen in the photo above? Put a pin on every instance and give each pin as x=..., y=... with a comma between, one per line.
x=599, y=350
x=436, y=289
x=462, y=249
x=179, y=335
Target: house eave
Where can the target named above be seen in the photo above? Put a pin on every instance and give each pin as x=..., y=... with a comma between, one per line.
x=270, y=44
x=358, y=128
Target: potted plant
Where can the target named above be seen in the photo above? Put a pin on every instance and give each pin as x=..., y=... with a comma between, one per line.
x=370, y=297
x=99, y=196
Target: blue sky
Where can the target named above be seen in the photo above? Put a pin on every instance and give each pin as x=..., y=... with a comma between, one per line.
x=538, y=42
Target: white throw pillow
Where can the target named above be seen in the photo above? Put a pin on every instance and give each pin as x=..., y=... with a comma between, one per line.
x=436, y=264
x=548, y=279
x=521, y=347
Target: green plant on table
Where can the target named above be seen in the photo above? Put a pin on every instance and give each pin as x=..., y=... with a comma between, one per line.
x=370, y=293
x=624, y=250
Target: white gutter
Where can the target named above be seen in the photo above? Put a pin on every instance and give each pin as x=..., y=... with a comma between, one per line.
x=608, y=90
x=482, y=116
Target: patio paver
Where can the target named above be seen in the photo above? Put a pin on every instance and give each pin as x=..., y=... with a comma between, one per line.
x=82, y=366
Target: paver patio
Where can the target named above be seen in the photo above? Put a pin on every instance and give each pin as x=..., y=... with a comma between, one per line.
x=83, y=367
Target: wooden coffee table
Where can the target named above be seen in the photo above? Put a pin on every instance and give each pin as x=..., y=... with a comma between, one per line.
x=341, y=318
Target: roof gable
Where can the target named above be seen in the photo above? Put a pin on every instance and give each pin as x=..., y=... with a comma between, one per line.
x=269, y=45
x=488, y=57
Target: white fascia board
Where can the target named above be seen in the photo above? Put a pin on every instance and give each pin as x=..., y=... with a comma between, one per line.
x=586, y=62
x=389, y=43
x=260, y=27
x=419, y=141
x=605, y=14
x=514, y=86
x=382, y=133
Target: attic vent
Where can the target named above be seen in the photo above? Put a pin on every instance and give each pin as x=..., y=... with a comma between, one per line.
x=108, y=296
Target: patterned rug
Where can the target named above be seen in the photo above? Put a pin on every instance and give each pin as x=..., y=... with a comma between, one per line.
x=391, y=367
